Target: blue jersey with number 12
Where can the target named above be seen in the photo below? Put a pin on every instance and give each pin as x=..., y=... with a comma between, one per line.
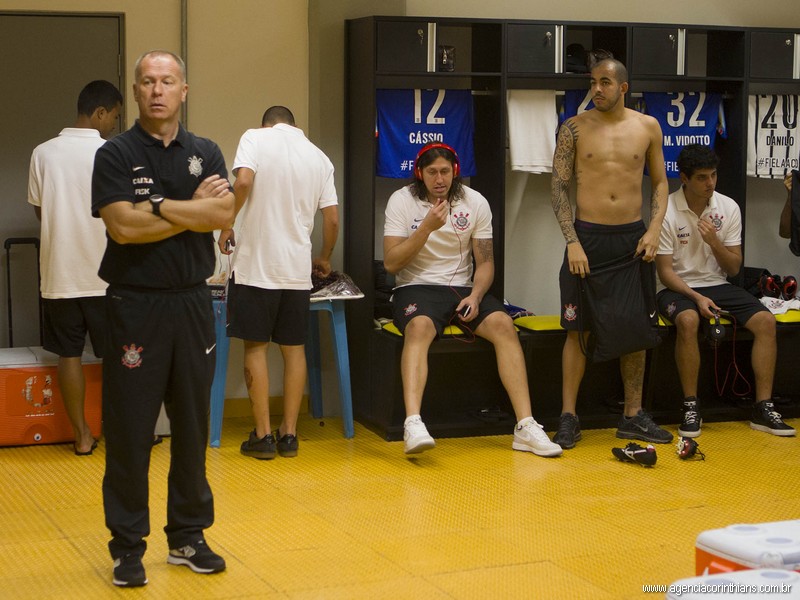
x=409, y=119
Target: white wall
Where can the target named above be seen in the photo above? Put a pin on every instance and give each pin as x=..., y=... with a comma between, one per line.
x=763, y=247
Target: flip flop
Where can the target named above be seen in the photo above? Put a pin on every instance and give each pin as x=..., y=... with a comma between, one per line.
x=87, y=453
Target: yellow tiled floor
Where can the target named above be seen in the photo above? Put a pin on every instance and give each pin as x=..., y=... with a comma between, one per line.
x=357, y=519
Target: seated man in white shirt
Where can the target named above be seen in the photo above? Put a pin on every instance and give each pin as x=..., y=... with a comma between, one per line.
x=434, y=227
x=701, y=244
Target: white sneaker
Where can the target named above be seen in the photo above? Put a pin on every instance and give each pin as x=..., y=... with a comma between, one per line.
x=529, y=436
x=416, y=436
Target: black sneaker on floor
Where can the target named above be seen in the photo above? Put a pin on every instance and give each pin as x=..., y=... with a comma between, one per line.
x=765, y=418
x=129, y=571
x=690, y=427
x=569, y=431
x=198, y=557
x=260, y=448
x=642, y=427
x=634, y=453
x=287, y=444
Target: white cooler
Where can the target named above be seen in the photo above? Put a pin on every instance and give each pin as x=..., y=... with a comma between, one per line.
x=773, y=545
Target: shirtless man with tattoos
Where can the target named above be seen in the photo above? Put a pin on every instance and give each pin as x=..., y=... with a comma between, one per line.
x=606, y=149
x=434, y=228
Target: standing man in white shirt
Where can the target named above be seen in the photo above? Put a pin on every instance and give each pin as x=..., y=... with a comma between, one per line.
x=59, y=188
x=282, y=180
x=700, y=246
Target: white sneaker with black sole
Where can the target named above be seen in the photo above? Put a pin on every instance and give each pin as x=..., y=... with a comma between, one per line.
x=416, y=436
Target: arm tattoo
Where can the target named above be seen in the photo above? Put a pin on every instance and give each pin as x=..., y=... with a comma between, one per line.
x=485, y=250
x=654, y=205
x=563, y=166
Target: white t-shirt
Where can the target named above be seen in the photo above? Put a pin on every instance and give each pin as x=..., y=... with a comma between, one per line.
x=73, y=242
x=293, y=180
x=692, y=259
x=446, y=258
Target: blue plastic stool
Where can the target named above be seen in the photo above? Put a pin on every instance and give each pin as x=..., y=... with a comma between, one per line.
x=339, y=333
x=339, y=336
x=220, y=372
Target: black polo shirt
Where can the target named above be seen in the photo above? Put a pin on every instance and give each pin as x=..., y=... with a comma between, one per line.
x=133, y=166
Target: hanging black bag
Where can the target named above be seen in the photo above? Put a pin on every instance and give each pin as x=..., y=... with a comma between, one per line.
x=794, y=243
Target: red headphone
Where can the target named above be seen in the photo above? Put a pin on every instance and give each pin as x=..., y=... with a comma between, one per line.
x=789, y=288
x=770, y=286
x=431, y=146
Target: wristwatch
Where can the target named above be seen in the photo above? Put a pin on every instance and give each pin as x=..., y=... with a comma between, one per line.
x=155, y=202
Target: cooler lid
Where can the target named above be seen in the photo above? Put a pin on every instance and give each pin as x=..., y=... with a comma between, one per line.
x=17, y=357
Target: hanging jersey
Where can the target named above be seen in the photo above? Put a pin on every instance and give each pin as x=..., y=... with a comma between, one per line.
x=794, y=243
x=685, y=118
x=409, y=119
x=575, y=102
x=772, y=145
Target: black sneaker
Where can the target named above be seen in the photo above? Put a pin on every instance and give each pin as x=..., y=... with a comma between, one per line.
x=642, y=427
x=129, y=571
x=569, y=431
x=260, y=448
x=287, y=444
x=634, y=453
x=765, y=418
x=198, y=557
x=690, y=427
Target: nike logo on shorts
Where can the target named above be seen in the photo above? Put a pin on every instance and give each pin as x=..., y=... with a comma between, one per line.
x=208, y=350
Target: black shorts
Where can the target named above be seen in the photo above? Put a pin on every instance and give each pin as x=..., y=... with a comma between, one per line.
x=438, y=302
x=259, y=315
x=602, y=244
x=66, y=321
x=731, y=298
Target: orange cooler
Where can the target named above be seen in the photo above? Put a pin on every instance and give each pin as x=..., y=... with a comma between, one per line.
x=31, y=408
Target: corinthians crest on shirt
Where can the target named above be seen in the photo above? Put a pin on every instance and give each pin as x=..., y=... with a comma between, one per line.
x=460, y=220
x=716, y=220
x=195, y=166
x=132, y=356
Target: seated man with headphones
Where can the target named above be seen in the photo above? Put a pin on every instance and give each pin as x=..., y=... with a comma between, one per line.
x=701, y=244
x=434, y=228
